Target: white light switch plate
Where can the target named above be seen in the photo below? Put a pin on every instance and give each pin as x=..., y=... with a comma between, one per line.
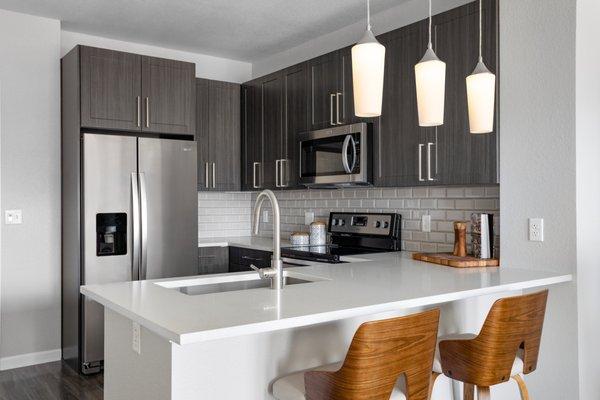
x=426, y=223
x=265, y=215
x=309, y=217
x=536, y=229
x=136, y=343
x=13, y=217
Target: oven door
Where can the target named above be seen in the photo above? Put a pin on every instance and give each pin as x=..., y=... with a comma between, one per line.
x=335, y=157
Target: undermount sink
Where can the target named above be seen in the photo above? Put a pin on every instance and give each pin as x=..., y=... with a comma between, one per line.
x=231, y=286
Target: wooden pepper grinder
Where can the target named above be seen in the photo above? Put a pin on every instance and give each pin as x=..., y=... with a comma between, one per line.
x=460, y=239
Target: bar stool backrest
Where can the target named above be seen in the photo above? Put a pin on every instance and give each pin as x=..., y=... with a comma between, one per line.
x=514, y=324
x=379, y=353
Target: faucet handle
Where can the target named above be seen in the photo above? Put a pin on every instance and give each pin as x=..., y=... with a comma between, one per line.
x=259, y=270
x=264, y=273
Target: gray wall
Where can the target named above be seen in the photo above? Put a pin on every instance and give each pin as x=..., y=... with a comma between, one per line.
x=588, y=195
x=30, y=168
x=537, y=169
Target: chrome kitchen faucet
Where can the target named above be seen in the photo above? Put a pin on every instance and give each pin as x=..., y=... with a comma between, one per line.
x=275, y=273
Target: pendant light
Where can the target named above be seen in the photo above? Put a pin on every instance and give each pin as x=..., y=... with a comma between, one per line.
x=430, y=79
x=481, y=92
x=368, y=62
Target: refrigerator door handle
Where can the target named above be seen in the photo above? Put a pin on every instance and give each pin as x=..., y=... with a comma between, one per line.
x=135, y=227
x=144, y=225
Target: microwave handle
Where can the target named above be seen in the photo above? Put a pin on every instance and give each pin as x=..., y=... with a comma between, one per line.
x=349, y=139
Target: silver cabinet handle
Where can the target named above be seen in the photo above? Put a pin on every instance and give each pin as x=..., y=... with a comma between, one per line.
x=429, y=161
x=254, y=184
x=282, y=179
x=138, y=107
x=135, y=227
x=277, y=173
x=337, y=103
x=331, y=96
x=421, y=162
x=144, y=224
x=147, y=112
x=213, y=175
x=206, y=175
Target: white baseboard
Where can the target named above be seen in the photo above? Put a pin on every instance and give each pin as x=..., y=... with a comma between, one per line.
x=24, y=360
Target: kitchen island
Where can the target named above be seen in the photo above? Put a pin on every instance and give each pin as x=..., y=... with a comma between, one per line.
x=202, y=338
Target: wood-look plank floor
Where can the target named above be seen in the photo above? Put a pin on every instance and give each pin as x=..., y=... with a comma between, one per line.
x=52, y=381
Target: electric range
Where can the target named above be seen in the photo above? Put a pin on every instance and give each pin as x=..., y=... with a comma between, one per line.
x=352, y=234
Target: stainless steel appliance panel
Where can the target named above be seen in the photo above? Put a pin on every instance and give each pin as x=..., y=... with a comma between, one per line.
x=168, y=208
x=108, y=164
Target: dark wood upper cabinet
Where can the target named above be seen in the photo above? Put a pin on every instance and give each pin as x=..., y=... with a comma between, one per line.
x=218, y=135
x=128, y=92
x=465, y=158
x=324, y=88
x=400, y=139
x=295, y=114
x=110, y=88
x=168, y=96
x=252, y=147
x=271, y=88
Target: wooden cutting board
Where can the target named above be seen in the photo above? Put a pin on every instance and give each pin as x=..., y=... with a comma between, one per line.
x=450, y=260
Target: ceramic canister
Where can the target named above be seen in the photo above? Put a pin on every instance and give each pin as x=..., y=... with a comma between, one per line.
x=299, y=239
x=318, y=233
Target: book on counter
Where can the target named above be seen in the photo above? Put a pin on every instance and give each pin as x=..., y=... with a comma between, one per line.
x=482, y=235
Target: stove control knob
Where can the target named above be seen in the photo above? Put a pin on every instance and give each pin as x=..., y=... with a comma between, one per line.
x=378, y=224
x=386, y=224
x=334, y=222
x=342, y=222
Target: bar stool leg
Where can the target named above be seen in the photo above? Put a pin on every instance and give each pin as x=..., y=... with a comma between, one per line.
x=468, y=391
x=483, y=393
x=522, y=387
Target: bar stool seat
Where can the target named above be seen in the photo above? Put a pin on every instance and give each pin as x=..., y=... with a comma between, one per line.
x=382, y=355
x=517, y=367
x=291, y=387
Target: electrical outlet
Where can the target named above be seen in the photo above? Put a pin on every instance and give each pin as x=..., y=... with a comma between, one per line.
x=265, y=215
x=309, y=217
x=136, y=343
x=13, y=217
x=536, y=229
x=426, y=223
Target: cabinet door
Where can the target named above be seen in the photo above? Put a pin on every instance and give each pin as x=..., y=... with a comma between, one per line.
x=225, y=140
x=213, y=260
x=346, y=92
x=324, y=86
x=110, y=89
x=399, y=139
x=202, y=134
x=252, y=148
x=295, y=120
x=465, y=158
x=168, y=96
x=272, y=127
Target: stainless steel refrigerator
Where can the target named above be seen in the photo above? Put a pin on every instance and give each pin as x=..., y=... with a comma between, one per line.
x=138, y=220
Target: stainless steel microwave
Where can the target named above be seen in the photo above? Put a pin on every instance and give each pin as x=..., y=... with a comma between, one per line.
x=339, y=156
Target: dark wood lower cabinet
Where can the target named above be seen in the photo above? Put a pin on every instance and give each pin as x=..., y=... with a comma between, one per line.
x=213, y=260
x=241, y=258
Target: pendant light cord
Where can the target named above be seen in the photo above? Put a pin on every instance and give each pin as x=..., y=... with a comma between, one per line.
x=429, y=45
x=480, y=29
x=368, y=16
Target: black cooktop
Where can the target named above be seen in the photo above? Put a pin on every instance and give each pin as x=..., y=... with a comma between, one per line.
x=330, y=253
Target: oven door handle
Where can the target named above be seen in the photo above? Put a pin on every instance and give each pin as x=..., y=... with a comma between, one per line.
x=347, y=167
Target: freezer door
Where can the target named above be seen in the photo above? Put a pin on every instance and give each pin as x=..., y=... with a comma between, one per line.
x=109, y=165
x=168, y=207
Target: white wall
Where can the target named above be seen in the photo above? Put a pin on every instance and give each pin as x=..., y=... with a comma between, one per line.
x=208, y=67
x=588, y=195
x=537, y=169
x=30, y=176
x=401, y=15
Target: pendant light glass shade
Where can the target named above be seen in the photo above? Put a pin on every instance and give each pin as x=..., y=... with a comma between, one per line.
x=368, y=62
x=481, y=95
x=430, y=78
x=481, y=91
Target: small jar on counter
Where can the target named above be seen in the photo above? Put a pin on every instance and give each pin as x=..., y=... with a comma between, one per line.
x=300, y=239
x=318, y=233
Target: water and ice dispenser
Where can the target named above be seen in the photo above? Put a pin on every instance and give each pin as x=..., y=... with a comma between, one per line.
x=111, y=234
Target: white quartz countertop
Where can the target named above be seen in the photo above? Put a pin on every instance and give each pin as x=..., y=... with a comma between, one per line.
x=386, y=282
x=248, y=242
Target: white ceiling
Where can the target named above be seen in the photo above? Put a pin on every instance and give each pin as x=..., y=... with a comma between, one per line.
x=244, y=30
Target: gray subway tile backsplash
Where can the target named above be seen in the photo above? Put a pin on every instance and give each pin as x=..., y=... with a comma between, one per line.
x=229, y=214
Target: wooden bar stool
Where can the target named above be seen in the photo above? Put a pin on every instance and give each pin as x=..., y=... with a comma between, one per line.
x=506, y=348
x=380, y=352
